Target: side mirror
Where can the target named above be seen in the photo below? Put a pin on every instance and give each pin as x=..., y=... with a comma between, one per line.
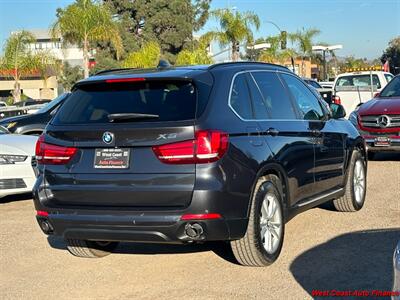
x=338, y=111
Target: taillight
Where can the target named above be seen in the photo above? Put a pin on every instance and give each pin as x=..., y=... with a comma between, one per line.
x=48, y=154
x=336, y=100
x=208, y=146
x=209, y=216
x=42, y=213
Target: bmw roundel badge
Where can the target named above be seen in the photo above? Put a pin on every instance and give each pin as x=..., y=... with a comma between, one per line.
x=108, y=137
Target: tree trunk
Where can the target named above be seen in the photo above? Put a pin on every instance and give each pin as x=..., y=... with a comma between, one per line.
x=234, y=53
x=17, y=91
x=85, y=59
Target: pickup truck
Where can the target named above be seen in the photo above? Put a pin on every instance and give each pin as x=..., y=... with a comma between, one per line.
x=354, y=88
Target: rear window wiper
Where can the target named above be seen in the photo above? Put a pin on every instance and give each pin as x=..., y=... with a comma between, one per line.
x=130, y=117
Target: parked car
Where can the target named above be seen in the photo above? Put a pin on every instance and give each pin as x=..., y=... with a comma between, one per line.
x=228, y=152
x=354, y=88
x=378, y=120
x=30, y=102
x=325, y=93
x=16, y=156
x=396, y=272
x=3, y=104
x=31, y=106
x=326, y=84
x=33, y=124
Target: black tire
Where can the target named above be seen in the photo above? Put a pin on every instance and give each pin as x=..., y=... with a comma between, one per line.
x=249, y=250
x=371, y=155
x=90, y=249
x=348, y=203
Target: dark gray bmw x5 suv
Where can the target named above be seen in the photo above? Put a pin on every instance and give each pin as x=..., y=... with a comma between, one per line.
x=228, y=152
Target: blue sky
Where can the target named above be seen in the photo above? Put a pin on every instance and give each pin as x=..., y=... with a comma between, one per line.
x=363, y=27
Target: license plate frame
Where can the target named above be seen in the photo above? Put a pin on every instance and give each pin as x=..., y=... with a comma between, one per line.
x=111, y=158
x=382, y=141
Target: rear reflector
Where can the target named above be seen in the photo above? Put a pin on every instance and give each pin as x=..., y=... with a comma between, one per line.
x=125, y=80
x=48, y=154
x=200, y=217
x=208, y=146
x=42, y=213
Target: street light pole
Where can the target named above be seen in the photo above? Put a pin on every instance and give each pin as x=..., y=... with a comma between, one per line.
x=324, y=49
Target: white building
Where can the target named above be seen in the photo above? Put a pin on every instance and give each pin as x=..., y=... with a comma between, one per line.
x=66, y=53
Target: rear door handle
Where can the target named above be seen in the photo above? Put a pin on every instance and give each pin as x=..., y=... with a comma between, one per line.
x=272, y=131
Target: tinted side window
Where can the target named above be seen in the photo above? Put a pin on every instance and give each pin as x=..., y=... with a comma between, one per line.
x=275, y=96
x=306, y=101
x=259, y=104
x=240, y=97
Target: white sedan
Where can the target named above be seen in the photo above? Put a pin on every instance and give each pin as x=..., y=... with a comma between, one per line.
x=16, y=154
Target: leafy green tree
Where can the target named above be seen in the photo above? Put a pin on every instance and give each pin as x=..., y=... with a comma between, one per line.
x=392, y=53
x=105, y=61
x=86, y=22
x=235, y=28
x=304, y=40
x=168, y=22
x=197, y=56
x=147, y=57
x=350, y=62
x=70, y=75
x=18, y=60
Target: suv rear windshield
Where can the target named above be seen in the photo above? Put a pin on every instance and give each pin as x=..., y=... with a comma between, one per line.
x=92, y=103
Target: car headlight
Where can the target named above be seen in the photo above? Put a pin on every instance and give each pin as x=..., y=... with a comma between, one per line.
x=11, y=125
x=8, y=159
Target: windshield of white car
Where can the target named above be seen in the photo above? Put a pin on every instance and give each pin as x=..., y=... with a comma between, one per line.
x=49, y=106
x=355, y=81
x=392, y=89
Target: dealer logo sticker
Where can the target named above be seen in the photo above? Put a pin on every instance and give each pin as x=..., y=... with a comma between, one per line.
x=108, y=137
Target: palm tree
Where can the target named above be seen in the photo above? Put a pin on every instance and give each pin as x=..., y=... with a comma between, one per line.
x=274, y=54
x=47, y=65
x=18, y=60
x=304, y=39
x=86, y=22
x=235, y=28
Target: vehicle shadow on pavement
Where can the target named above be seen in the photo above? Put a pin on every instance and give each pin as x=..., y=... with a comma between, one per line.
x=360, y=260
x=221, y=249
x=13, y=198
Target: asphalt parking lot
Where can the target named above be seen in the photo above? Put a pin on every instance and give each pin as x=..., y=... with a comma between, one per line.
x=323, y=250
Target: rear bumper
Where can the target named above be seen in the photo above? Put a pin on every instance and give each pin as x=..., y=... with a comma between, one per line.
x=136, y=227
